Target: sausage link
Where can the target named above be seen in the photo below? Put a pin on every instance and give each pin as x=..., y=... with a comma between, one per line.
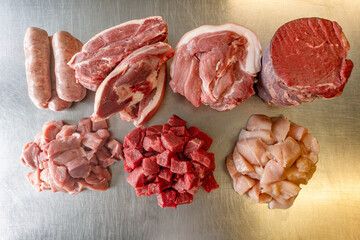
x=64, y=47
x=37, y=64
x=55, y=103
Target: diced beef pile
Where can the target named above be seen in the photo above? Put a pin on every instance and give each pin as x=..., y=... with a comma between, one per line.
x=169, y=161
x=272, y=157
x=71, y=158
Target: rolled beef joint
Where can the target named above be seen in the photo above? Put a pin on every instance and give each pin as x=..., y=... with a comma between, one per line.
x=101, y=54
x=304, y=61
x=216, y=65
x=131, y=81
x=37, y=64
x=64, y=47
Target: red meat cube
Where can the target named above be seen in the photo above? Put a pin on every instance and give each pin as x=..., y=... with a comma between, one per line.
x=201, y=156
x=172, y=142
x=165, y=174
x=212, y=162
x=153, y=143
x=136, y=178
x=133, y=139
x=156, y=187
x=150, y=178
x=126, y=167
x=195, y=188
x=183, y=198
x=192, y=146
x=149, y=154
x=179, y=185
x=142, y=191
x=165, y=128
x=190, y=180
x=209, y=183
x=167, y=198
x=154, y=130
x=199, y=169
x=150, y=166
x=133, y=157
x=175, y=121
x=147, y=142
x=180, y=167
x=163, y=159
x=177, y=176
x=178, y=131
x=196, y=133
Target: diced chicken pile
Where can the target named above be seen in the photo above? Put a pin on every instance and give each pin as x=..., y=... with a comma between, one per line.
x=70, y=158
x=272, y=157
x=169, y=161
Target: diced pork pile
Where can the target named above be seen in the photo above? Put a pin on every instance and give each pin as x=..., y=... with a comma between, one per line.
x=169, y=161
x=71, y=158
x=272, y=157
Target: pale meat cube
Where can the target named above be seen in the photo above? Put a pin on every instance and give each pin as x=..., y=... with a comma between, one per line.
x=294, y=175
x=58, y=173
x=290, y=152
x=297, y=132
x=280, y=203
x=251, y=149
x=285, y=189
x=259, y=171
x=231, y=166
x=280, y=128
x=259, y=122
x=311, y=144
x=273, y=172
x=242, y=184
x=274, y=152
x=256, y=195
x=303, y=164
x=265, y=135
x=242, y=165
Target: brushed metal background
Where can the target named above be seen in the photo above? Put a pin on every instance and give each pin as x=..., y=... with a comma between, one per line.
x=327, y=208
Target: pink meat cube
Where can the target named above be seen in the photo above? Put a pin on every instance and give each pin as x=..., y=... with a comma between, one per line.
x=167, y=198
x=165, y=174
x=133, y=157
x=136, y=178
x=209, y=183
x=196, y=133
x=115, y=148
x=150, y=166
x=175, y=121
x=183, y=198
x=79, y=167
x=84, y=126
x=180, y=167
x=172, y=142
x=163, y=159
x=99, y=125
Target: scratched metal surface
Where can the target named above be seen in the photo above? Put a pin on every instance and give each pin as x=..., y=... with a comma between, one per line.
x=327, y=208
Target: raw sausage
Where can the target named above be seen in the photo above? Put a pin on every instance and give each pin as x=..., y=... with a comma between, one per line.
x=64, y=47
x=55, y=103
x=37, y=64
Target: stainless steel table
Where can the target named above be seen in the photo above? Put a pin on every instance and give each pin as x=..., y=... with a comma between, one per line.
x=327, y=208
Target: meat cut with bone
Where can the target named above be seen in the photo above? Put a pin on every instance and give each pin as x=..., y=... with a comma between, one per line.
x=131, y=81
x=101, y=54
x=216, y=65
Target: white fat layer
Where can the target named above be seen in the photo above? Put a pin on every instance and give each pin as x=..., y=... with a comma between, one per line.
x=252, y=63
x=136, y=21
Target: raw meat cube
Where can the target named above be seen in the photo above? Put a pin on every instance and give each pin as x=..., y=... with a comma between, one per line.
x=196, y=133
x=133, y=157
x=163, y=159
x=172, y=142
x=192, y=146
x=178, y=131
x=165, y=174
x=150, y=166
x=183, y=198
x=201, y=156
x=209, y=183
x=167, y=198
x=136, y=178
x=175, y=121
x=142, y=191
x=133, y=139
x=180, y=167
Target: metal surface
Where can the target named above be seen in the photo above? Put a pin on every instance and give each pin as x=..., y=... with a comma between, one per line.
x=327, y=208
